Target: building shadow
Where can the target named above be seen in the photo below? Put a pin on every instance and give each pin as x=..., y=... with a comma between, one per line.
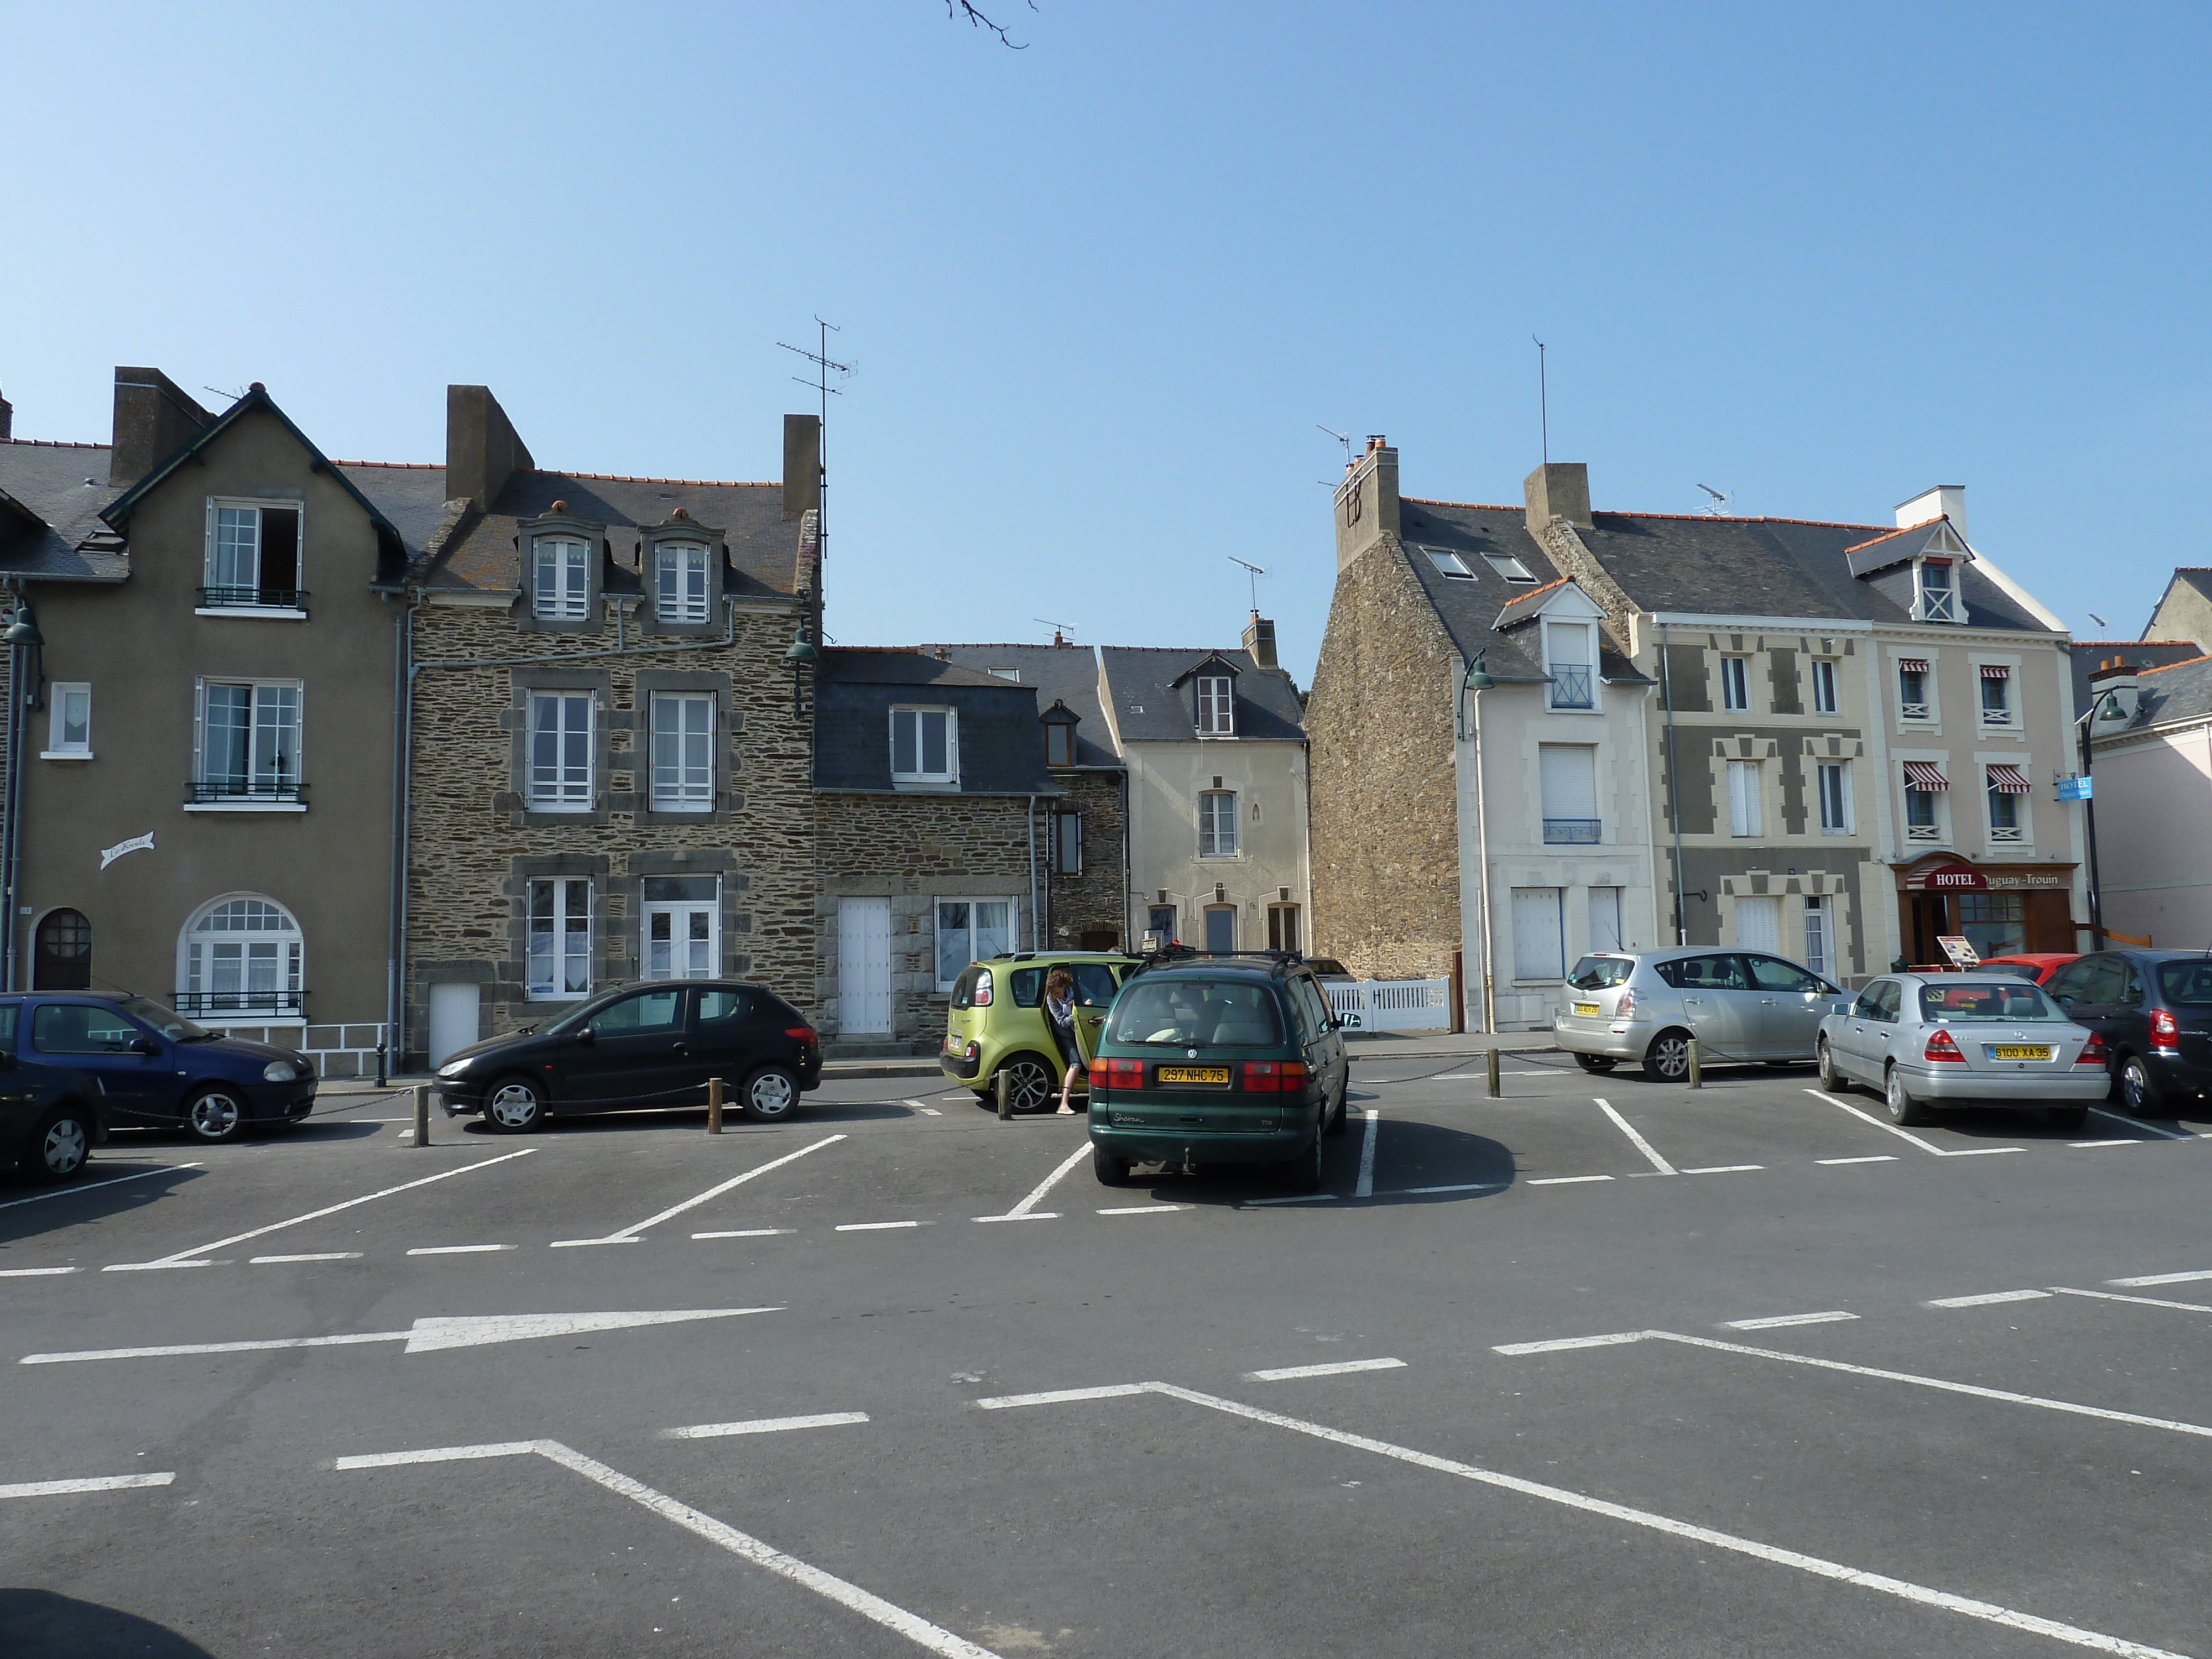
x=75, y=1203
x=36, y=1624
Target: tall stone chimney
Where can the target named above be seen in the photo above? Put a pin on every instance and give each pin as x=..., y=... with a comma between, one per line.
x=1944, y=501
x=1259, y=640
x=1558, y=489
x=7, y=420
x=1367, y=502
x=802, y=464
x=483, y=451
x=154, y=419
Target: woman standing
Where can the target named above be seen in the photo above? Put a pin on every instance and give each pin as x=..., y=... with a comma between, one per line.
x=1060, y=1015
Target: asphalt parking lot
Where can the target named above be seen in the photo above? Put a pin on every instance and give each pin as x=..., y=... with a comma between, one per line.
x=1600, y=1368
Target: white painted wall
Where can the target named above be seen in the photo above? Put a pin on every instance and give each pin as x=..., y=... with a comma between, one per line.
x=1165, y=781
x=2154, y=799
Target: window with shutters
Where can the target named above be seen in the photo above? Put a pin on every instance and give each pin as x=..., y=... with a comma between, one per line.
x=1540, y=935
x=1746, y=817
x=560, y=752
x=684, y=752
x=1567, y=775
x=1605, y=918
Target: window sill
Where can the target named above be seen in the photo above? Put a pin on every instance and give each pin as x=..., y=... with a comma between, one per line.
x=258, y=612
x=1215, y=737
x=65, y=754
x=928, y=785
x=564, y=808
x=246, y=807
x=1221, y=858
x=681, y=809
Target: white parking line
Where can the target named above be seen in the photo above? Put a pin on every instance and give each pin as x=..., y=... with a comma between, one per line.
x=1061, y=1396
x=2139, y=1301
x=1637, y=1140
x=187, y=1258
x=90, y=1483
x=1143, y=1209
x=1565, y=1181
x=1775, y=1321
x=1560, y=1344
x=1339, y=1368
x=874, y=1226
x=1869, y=1117
x=763, y=1425
x=913, y=1626
x=1457, y=1187
x=95, y=1186
x=1294, y=1198
x=1366, y=1187
x=746, y=1232
x=1724, y=1169
x=2147, y=1280
x=1021, y=1210
x=1878, y=1157
x=628, y=1235
x=2084, y=1145
x=312, y=1255
x=34, y=1272
x=459, y=1249
x=1989, y=1298
x=2137, y=1123
x=926, y=1111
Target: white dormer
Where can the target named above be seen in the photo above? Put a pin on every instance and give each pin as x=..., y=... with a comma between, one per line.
x=1566, y=620
x=1937, y=569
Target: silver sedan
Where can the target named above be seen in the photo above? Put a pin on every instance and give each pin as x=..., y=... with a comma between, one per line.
x=1963, y=1040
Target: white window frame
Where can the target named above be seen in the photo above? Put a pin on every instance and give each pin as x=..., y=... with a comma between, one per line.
x=1216, y=705
x=939, y=932
x=680, y=759
x=1824, y=685
x=1067, y=844
x=2023, y=838
x=674, y=909
x=1939, y=833
x=1948, y=605
x=920, y=774
x=676, y=599
x=557, y=789
x=1209, y=835
x=555, y=986
x=217, y=507
x=1846, y=817
x=255, y=800
x=1931, y=718
x=1736, y=684
x=1555, y=695
x=1818, y=907
x=569, y=597
x=197, y=968
x=1747, y=809
x=58, y=747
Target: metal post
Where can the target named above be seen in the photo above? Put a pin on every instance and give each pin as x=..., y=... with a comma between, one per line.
x=1004, y=1085
x=380, y=1078
x=1696, y=1074
x=714, y=1105
x=422, y=1092
x=1492, y=1068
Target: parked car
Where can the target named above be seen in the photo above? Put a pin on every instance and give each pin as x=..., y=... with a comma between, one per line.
x=1225, y=1059
x=1328, y=968
x=1967, y=1039
x=157, y=1069
x=649, y=1044
x=50, y=1115
x=2037, y=967
x=996, y=1021
x=1645, y=1005
x=2154, y=1009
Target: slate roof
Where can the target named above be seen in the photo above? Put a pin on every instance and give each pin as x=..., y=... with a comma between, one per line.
x=1149, y=707
x=1058, y=673
x=2089, y=654
x=2178, y=691
x=50, y=524
x=1001, y=743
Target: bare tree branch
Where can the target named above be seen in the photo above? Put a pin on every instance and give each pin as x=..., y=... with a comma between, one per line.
x=956, y=9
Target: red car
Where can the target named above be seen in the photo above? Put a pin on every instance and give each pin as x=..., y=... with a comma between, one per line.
x=2035, y=965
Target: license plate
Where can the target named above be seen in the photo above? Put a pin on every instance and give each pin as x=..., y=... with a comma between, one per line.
x=1194, y=1075
x=2020, y=1051
x=1588, y=1008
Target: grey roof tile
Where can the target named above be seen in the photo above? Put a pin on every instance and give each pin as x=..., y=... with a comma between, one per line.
x=2091, y=654
x=1001, y=743
x=1058, y=673
x=68, y=542
x=2180, y=691
x=1149, y=707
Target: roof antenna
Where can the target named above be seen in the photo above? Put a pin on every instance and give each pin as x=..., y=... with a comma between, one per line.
x=1718, y=501
x=1059, y=629
x=823, y=364
x=1344, y=438
x=2099, y=620
x=1256, y=570
x=1543, y=400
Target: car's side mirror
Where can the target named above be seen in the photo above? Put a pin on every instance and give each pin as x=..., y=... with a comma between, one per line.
x=6, y=1060
x=143, y=1046
x=586, y=1033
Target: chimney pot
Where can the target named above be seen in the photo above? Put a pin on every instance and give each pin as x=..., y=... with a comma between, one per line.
x=1942, y=501
x=802, y=464
x=1260, y=642
x=681, y=512
x=558, y=507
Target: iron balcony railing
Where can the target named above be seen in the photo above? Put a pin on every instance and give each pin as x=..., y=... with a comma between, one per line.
x=197, y=1003
x=270, y=599
x=1571, y=685
x=1571, y=832
x=201, y=791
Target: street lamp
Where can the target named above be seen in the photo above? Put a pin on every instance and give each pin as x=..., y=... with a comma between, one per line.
x=801, y=652
x=1476, y=681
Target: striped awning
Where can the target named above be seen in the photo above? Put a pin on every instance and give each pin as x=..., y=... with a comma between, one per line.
x=1913, y=665
x=2007, y=780
x=1996, y=671
x=1925, y=776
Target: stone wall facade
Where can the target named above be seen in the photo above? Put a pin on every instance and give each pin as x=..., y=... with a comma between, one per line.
x=1092, y=902
x=1385, y=818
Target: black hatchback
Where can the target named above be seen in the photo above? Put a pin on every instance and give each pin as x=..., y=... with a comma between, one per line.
x=2154, y=1009
x=651, y=1044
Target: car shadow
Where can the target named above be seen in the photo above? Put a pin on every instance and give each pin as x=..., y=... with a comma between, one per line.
x=36, y=1624
x=1427, y=1163
x=73, y=1203
x=675, y=1120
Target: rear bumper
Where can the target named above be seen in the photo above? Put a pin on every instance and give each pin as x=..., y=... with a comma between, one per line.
x=1170, y=1144
x=959, y=1067
x=2076, y=1084
x=1624, y=1039
x=2180, y=1074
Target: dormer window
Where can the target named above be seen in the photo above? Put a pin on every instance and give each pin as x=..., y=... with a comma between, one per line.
x=1216, y=716
x=1570, y=660
x=925, y=746
x=1938, y=594
x=1058, y=744
x=680, y=588
x=252, y=555
x=560, y=586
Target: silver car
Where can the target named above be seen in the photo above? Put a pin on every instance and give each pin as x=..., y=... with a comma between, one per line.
x=1644, y=1006
x=1963, y=1040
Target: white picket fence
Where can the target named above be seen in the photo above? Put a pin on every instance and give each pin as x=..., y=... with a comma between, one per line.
x=1392, y=1004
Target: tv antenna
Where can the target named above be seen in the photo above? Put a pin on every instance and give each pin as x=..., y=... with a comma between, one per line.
x=1058, y=628
x=1543, y=401
x=1255, y=572
x=1344, y=438
x=824, y=364
x=2099, y=620
x=1719, y=500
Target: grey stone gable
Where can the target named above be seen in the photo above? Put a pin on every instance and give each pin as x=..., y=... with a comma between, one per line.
x=2088, y=654
x=1001, y=743
x=1150, y=706
x=1057, y=673
x=2182, y=691
x=53, y=530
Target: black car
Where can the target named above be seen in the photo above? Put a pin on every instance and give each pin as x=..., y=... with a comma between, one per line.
x=50, y=1115
x=2154, y=1009
x=650, y=1044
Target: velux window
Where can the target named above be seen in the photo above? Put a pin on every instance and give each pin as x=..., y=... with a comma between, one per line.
x=684, y=753
x=560, y=937
x=249, y=741
x=560, y=582
x=252, y=554
x=924, y=745
x=561, y=752
x=1215, y=713
x=679, y=586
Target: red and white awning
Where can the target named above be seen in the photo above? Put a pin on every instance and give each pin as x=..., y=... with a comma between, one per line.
x=1926, y=776
x=1996, y=671
x=1913, y=665
x=2006, y=780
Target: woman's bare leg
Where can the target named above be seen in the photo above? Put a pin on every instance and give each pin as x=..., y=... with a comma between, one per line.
x=1067, y=1086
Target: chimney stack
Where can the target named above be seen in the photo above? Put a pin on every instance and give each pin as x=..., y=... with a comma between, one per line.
x=1944, y=501
x=2114, y=678
x=7, y=420
x=1367, y=502
x=1259, y=640
x=483, y=451
x=154, y=419
x=802, y=464
x=1558, y=489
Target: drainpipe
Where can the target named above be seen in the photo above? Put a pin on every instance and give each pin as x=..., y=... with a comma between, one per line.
x=1035, y=944
x=11, y=855
x=403, y=729
x=1128, y=923
x=1482, y=855
x=2089, y=822
x=1673, y=785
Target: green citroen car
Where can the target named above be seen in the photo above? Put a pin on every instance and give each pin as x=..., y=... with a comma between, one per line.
x=996, y=1022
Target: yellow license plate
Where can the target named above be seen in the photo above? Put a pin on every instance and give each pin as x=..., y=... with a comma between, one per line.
x=2020, y=1051
x=1588, y=1008
x=1194, y=1075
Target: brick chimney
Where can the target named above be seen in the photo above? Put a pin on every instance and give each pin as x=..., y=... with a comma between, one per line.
x=802, y=464
x=1367, y=501
x=1259, y=640
x=1558, y=489
x=482, y=449
x=154, y=419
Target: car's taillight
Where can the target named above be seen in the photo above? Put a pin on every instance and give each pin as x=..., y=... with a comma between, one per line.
x=2165, y=1032
x=1942, y=1046
x=804, y=1033
x=1628, y=1005
x=1273, y=1076
x=2093, y=1052
x=980, y=996
x=1118, y=1073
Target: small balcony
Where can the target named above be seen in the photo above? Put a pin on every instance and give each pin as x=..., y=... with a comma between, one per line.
x=2004, y=832
x=1571, y=832
x=241, y=1005
x=1570, y=686
x=254, y=598
x=1939, y=605
x=1923, y=832
x=1996, y=716
x=245, y=791
x=1912, y=711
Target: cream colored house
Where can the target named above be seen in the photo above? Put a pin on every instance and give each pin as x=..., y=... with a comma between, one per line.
x=2153, y=768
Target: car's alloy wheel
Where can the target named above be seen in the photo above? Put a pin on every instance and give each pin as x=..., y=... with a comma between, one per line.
x=1667, y=1059
x=771, y=1094
x=1903, y=1108
x=1031, y=1086
x=61, y=1145
x=514, y=1107
x=1595, y=1062
x=2139, y=1090
x=1831, y=1079
x=216, y=1114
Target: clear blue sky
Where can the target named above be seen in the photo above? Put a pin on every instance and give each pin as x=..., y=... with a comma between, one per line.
x=1101, y=290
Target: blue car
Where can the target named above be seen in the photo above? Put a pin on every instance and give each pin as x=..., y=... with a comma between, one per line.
x=156, y=1069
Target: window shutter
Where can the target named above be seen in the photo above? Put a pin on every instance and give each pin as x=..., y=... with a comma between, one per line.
x=1568, y=775
x=199, y=716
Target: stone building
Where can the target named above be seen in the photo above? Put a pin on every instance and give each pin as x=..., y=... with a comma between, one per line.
x=2185, y=610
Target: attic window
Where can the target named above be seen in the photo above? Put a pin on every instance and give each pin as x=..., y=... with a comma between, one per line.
x=1939, y=592
x=1216, y=707
x=1510, y=567
x=1013, y=674
x=1450, y=562
x=560, y=582
x=680, y=584
x=1059, y=744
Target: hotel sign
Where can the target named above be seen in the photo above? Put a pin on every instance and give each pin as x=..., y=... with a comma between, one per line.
x=1965, y=878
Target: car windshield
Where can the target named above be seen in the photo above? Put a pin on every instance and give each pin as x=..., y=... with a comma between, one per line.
x=1197, y=1014
x=1986, y=1000
x=2188, y=984
x=167, y=1021
x=1595, y=973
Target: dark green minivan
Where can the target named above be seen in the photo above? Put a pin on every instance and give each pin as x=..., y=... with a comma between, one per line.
x=1217, y=1059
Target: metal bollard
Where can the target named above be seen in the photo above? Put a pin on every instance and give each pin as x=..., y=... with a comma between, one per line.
x=1005, y=1083
x=714, y=1105
x=1495, y=1092
x=1697, y=1075
x=380, y=1078
x=421, y=1113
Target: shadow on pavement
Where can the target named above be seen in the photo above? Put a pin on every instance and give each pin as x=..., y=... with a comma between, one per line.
x=672, y=1120
x=1421, y=1155
x=73, y=1203
x=40, y=1624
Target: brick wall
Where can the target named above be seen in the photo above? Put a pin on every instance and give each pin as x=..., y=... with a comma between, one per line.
x=1093, y=901
x=1385, y=821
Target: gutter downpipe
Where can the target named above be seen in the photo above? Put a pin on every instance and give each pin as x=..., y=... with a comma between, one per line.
x=1035, y=943
x=1482, y=843
x=1674, y=786
x=2089, y=822
x=403, y=773
x=13, y=854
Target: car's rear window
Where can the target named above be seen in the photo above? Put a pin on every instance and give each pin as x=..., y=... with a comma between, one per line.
x=1596, y=973
x=2187, y=983
x=1199, y=1013
x=972, y=989
x=1975, y=1000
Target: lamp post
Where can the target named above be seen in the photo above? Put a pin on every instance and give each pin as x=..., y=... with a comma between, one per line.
x=24, y=647
x=801, y=653
x=2097, y=704
x=1476, y=681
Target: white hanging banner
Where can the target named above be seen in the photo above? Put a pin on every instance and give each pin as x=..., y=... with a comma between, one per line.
x=136, y=844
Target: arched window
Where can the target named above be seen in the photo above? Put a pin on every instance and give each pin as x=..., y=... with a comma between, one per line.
x=242, y=955
x=61, y=953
